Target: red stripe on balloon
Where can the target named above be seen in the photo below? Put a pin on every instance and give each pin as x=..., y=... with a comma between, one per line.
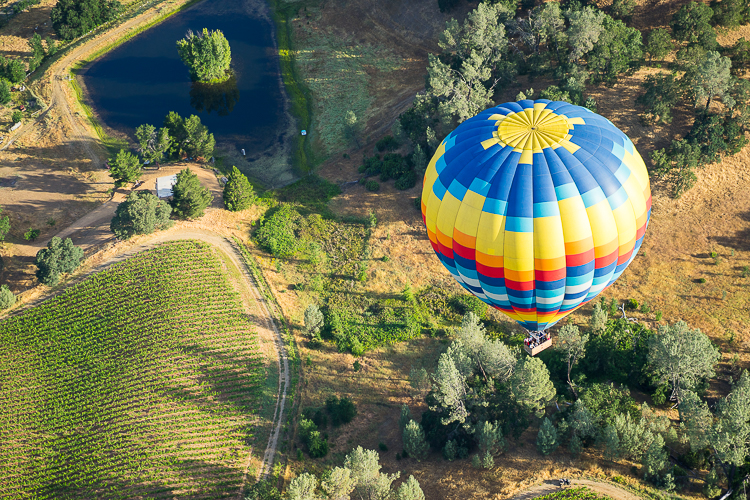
x=490, y=272
x=519, y=285
x=580, y=259
x=555, y=275
x=624, y=257
x=462, y=251
x=603, y=262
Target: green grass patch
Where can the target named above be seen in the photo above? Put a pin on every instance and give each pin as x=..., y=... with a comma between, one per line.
x=579, y=493
x=141, y=381
x=300, y=97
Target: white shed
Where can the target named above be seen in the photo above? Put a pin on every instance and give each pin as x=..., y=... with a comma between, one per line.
x=164, y=185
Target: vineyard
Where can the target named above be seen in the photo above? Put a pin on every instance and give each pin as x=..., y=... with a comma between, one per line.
x=140, y=381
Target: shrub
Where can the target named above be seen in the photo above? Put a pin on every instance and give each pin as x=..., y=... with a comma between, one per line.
x=406, y=181
x=342, y=411
x=701, y=280
x=418, y=202
x=7, y=298
x=277, y=233
x=622, y=9
x=372, y=186
x=317, y=445
x=394, y=166
x=17, y=116
x=31, y=234
x=382, y=446
x=631, y=304
x=5, y=95
x=387, y=143
x=463, y=303
x=546, y=439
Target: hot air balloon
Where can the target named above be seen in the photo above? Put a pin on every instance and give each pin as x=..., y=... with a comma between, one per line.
x=536, y=207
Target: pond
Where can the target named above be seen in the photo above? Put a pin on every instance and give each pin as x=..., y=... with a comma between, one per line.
x=143, y=79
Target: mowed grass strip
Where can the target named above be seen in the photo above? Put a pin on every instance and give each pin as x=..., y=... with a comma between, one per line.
x=140, y=381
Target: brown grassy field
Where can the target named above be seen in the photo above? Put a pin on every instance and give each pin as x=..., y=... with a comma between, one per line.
x=713, y=217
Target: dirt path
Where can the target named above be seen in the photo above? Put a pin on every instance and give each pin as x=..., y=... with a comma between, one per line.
x=550, y=486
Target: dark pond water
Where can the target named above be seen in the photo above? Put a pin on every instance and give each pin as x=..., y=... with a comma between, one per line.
x=143, y=79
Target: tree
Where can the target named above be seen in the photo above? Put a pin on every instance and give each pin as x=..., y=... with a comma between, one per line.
x=189, y=136
x=5, y=94
x=585, y=26
x=125, y=168
x=189, y=198
x=477, y=47
x=419, y=381
x=153, y=144
x=419, y=160
x=546, y=439
x=622, y=9
x=656, y=466
x=141, y=213
x=339, y=484
x=7, y=298
x=662, y=94
x=599, y=318
x=74, y=18
x=676, y=163
x=582, y=421
x=314, y=321
x=16, y=71
x=450, y=389
x=617, y=50
x=352, y=128
x=238, y=192
x=492, y=357
x=682, y=356
x=370, y=483
x=692, y=23
x=726, y=432
x=410, y=490
x=711, y=78
x=611, y=443
x=37, y=51
x=490, y=440
x=16, y=116
x=634, y=436
x=659, y=44
x=207, y=54
x=531, y=385
x=199, y=142
x=60, y=257
x=572, y=343
x=544, y=23
x=404, y=418
x=4, y=225
x=303, y=487
x=415, y=444
x=730, y=13
x=51, y=46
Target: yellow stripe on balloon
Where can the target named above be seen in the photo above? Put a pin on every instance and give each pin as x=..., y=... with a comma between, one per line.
x=518, y=251
x=491, y=234
x=575, y=221
x=625, y=220
x=446, y=216
x=549, y=243
x=602, y=222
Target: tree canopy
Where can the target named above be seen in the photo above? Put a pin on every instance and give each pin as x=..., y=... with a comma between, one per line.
x=60, y=257
x=141, y=213
x=238, y=192
x=153, y=143
x=190, y=198
x=207, y=54
x=189, y=136
x=125, y=168
x=683, y=356
x=74, y=18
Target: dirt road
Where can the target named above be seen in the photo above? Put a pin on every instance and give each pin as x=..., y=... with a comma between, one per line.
x=550, y=486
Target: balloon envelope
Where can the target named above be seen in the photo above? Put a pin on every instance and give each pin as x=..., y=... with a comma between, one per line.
x=536, y=207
